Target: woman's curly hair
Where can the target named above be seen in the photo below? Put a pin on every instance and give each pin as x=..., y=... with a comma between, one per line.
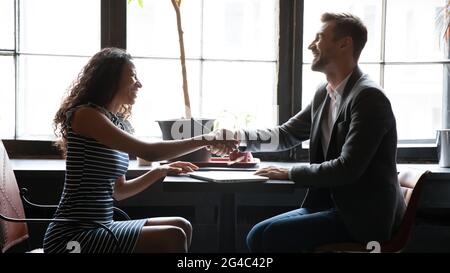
x=97, y=83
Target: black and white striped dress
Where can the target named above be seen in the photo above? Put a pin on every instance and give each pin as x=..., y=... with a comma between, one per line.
x=91, y=170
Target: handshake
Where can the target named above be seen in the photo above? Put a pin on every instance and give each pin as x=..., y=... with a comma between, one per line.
x=226, y=142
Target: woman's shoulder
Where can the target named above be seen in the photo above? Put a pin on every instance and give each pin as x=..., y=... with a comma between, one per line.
x=85, y=120
x=97, y=107
x=93, y=114
x=87, y=109
x=87, y=113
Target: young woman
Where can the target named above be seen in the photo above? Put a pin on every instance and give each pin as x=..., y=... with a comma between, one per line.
x=94, y=135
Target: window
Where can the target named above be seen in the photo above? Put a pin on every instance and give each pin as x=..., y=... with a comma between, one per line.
x=53, y=44
x=7, y=83
x=231, y=46
x=232, y=56
x=7, y=23
x=237, y=51
x=53, y=47
x=402, y=54
x=7, y=108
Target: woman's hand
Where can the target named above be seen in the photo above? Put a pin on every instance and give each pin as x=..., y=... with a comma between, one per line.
x=222, y=142
x=178, y=167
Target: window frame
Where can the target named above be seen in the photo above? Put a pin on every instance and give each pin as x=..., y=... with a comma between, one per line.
x=13, y=53
x=17, y=52
x=289, y=93
x=408, y=151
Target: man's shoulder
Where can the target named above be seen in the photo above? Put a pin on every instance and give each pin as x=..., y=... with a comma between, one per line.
x=321, y=92
x=367, y=87
x=322, y=88
x=365, y=82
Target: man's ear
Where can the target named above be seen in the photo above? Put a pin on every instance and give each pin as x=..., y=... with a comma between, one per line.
x=345, y=42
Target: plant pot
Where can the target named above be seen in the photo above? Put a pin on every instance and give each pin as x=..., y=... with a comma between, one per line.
x=443, y=147
x=187, y=128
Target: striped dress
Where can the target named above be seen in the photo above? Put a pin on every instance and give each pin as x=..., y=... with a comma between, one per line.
x=91, y=170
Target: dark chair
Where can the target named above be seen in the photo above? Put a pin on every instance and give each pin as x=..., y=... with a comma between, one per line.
x=24, y=195
x=13, y=223
x=411, y=182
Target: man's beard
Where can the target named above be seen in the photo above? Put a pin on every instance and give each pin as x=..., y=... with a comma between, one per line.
x=319, y=64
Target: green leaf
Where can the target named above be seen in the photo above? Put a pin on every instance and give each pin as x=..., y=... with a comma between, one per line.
x=140, y=2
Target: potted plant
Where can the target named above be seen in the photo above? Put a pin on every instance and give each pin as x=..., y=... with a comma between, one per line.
x=185, y=127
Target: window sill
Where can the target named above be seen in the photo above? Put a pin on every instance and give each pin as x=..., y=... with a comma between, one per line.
x=406, y=153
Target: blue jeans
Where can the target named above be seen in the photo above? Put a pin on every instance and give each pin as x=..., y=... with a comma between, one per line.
x=297, y=231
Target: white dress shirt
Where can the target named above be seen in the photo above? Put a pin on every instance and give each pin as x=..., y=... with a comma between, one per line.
x=330, y=114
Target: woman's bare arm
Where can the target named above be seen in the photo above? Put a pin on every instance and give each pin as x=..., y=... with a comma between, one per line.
x=92, y=123
x=126, y=188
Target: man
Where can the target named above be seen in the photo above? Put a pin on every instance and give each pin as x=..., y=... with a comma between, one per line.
x=353, y=193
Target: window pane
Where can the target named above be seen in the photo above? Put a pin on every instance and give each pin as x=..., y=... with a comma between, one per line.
x=241, y=94
x=212, y=29
x=43, y=81
x=235, y=29
x=7, y=24
x=60, y=27
x=152, y=30
x=161, y=96
x=7, y=97
x=411, y=30
x=373, y=70
x=415, y=92
x=369, y=11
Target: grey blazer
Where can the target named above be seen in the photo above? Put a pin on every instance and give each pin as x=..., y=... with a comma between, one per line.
x=358, y=176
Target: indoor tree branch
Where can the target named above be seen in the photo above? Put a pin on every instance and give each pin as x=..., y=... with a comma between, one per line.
x=187, y=104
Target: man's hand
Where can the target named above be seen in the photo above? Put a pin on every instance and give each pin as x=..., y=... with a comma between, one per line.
x=219, y=138
x=177, y=168
x=221, y=149
x=274, y=173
